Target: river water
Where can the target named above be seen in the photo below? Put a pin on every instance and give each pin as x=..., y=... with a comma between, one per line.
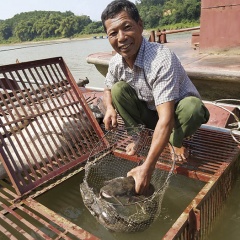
x=66, y=200
x=74, y=53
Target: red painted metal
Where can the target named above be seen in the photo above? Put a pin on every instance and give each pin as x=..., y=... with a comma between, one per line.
x=222, y=117
x=219, y=25
x=29, y=219
x=213, y=155
x=49, y=113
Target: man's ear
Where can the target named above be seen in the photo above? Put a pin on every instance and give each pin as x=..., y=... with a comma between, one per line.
x=140, y=23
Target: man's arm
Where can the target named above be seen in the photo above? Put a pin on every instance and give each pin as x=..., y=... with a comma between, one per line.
x=110, y=118
x=142, y=174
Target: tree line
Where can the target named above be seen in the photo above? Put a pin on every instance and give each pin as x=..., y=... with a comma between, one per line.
x=38, y=25
x=157, y=13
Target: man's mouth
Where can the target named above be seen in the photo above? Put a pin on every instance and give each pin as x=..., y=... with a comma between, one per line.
x=124, y=47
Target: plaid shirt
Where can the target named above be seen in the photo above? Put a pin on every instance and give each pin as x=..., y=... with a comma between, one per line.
x=157, y=75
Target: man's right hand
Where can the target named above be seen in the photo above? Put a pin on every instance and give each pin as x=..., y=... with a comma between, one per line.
x=110, y=119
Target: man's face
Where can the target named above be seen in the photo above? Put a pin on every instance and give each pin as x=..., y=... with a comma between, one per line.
x=125, y=36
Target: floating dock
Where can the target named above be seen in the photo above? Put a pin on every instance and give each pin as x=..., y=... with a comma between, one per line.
x=47, y=134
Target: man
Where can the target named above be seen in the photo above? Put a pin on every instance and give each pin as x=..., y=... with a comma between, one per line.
x=146, y=84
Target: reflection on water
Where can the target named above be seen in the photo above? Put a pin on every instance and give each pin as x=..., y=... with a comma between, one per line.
x=66, y=200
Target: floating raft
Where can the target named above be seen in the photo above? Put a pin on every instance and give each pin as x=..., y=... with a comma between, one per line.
x=48, y=131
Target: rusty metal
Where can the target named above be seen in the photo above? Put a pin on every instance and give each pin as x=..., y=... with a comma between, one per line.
x=162, y=34
x=211, y=19
x=29, y=219
x=27, y=92
x=224, y=152
x=49, y=103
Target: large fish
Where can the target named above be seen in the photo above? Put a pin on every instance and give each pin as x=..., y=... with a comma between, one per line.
x=122, y=189
x=117, y=206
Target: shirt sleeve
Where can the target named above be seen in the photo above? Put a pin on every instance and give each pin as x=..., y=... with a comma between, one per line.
x=111, y=74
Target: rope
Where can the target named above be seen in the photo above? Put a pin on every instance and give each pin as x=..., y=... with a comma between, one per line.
x=235, y=125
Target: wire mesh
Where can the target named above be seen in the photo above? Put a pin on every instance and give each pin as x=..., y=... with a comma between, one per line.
x=110, y=195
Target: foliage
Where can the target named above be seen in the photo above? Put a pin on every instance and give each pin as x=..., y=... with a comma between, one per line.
x=37, y=25
x=41, y=25
x=156, y=13
x=93, y=27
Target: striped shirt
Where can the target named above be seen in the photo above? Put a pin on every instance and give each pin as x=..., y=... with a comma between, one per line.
x=157, y=75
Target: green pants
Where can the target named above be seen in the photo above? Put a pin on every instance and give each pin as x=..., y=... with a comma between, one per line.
x=190, y=112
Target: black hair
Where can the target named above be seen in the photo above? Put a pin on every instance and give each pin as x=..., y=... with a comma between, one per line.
x=117, y=6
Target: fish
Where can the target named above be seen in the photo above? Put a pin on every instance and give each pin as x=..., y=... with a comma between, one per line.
x=118, y=217
x=120, y=186
x=123, y=188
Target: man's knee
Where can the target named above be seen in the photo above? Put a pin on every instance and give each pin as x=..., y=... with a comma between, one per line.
x=193, y=107
x=199, y=111
x=191, y=112
x=118, y=88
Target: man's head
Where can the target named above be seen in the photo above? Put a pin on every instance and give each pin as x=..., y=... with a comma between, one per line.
x=117, y=6
x=123, y=26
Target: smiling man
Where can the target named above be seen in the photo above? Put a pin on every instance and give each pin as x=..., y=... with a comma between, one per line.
x=146, y=84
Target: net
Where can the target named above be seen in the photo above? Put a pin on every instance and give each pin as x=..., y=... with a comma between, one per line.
x=110, y=195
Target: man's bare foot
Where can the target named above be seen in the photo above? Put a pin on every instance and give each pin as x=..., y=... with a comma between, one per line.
x=131, y=148
x=181, y=154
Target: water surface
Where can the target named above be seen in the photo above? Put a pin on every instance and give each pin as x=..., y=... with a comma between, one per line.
x=66, y=199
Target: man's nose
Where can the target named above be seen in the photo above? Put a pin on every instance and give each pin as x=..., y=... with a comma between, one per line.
x=121, y=35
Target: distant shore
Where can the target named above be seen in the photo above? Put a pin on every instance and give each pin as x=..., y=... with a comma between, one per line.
x=78, y=38
x=47, y=41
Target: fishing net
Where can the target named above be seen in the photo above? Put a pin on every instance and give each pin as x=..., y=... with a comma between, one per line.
x=110, y=195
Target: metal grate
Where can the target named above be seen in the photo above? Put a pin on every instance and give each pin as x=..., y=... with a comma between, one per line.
x=214, y=160
x=29, y=219
x=46, y=124
x=39, y=101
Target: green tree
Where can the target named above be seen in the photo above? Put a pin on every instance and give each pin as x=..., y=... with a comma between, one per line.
x=165, y=12
x=82, y=22
x=5, y=31
x=66, y=28
x=24, y=31
x=93, y=27
x=54, y=24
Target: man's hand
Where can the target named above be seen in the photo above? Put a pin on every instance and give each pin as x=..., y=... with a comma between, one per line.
x=142, y=174
x=110, y=119
x=142, y=177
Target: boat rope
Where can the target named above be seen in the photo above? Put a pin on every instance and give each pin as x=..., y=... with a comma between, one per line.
x=236, y=125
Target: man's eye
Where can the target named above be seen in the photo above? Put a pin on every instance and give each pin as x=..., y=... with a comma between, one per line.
x=112, y=34
x=128, y=27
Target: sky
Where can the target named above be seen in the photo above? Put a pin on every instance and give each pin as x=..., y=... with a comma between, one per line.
x=91, y=8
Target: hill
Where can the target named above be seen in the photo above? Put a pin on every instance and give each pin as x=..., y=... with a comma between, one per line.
x=42, y=25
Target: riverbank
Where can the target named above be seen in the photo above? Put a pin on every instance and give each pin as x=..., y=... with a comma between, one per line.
x=77, y=38
x=60, y=40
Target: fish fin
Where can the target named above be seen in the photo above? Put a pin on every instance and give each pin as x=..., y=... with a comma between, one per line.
x=105, y=195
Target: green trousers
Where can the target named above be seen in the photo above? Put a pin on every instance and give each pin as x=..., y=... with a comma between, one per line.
x=190, y=113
